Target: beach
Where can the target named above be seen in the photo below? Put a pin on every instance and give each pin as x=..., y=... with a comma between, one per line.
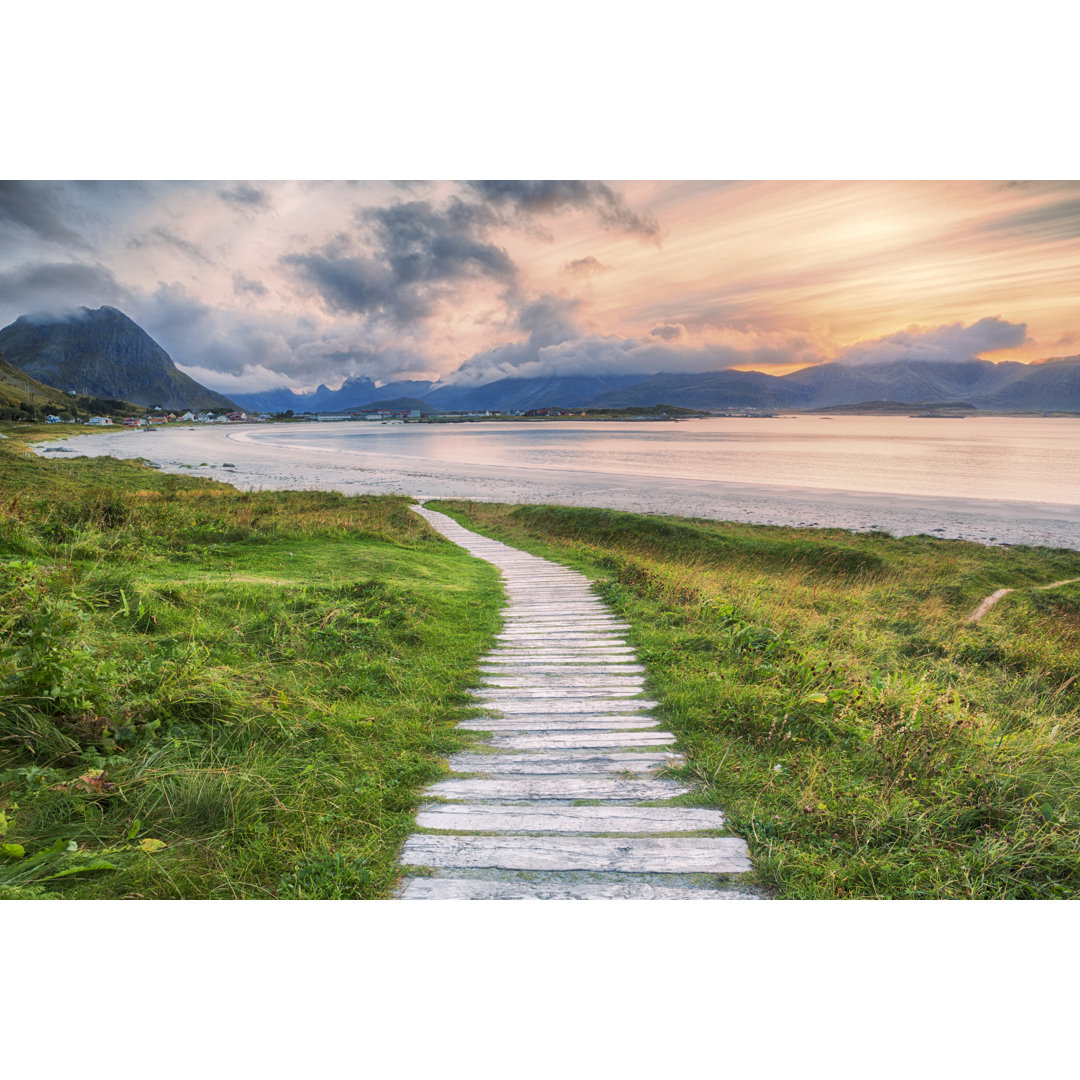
x=284, y=457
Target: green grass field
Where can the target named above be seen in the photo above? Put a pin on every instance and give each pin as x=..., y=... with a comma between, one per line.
x=213, y=694
x=830, y=695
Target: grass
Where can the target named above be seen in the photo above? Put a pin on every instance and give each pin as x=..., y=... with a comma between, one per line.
x=830, y=696
x=213, y=694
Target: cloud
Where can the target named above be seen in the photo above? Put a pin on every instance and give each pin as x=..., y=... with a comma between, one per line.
x=250, y=379
x=243, y=285
x=952, y=342
x=555, y=348
x=229, y=350
x=668, y=331
x=548, y=320
x=531, y=197
x=244, y=196
x=582, y=267
x=160, y=235
x=36, y=208
x=1045, y=222
x=56, y=288
x=421, y=255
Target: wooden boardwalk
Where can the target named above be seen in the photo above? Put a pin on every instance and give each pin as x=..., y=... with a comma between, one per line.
x=562, y=700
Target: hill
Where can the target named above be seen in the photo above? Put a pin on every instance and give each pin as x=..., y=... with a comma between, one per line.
x=398, y=404
x=104, y=354
x=897, y=408
x=22, y=397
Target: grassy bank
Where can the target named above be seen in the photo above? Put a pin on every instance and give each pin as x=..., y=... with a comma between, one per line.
x=831, y=697
x=213, y=694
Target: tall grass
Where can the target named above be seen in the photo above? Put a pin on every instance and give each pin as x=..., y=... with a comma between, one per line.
x=208, y=693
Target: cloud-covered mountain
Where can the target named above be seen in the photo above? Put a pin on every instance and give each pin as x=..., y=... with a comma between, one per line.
x=1051, y=386
x=102, y=353
x=506, y=394
x=322, y=399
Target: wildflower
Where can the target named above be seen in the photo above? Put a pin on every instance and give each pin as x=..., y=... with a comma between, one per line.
x=777, y=768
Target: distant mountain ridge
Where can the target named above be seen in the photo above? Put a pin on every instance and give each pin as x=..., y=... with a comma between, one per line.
x=102, y=353
x=1050, y=386
x=105, y=354
x=322, y=399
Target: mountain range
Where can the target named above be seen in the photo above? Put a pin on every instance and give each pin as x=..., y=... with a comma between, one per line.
x=105, y=354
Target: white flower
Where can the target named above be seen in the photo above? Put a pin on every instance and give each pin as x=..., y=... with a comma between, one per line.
x=777, y=768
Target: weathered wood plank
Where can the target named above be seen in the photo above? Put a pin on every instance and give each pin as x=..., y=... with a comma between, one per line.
x=550, y=654
x=580, y=761
x=438, y=888
x=553, y=706
x=600, y=630
x=671, y=854
x=590, y=740
x=629, y=722
x=531, y=667
x=498, y=698
x=569, y=786
x=564, y=684
x=465, y=817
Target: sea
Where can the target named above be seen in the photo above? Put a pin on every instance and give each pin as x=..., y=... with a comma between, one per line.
x=991, y=479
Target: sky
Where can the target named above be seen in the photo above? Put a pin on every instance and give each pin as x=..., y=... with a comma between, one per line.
x=255, y=284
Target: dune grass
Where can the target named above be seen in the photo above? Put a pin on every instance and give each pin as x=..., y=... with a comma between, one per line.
x=830, y=695
x=206, y=693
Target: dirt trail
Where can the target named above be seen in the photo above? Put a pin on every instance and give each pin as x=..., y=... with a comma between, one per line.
x=986, y=604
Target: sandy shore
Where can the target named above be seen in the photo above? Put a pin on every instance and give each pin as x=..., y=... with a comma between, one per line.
x=205, y=451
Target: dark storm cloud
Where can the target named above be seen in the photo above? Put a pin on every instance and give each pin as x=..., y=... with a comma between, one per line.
x=36, y=208
x=421, y=255
x=589, y=265
x=423, y=244
x=528, y=197
x=56, y=287
x=245, y=197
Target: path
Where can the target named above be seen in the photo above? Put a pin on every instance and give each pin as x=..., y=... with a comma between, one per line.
x=988, y=602
x=568, y=724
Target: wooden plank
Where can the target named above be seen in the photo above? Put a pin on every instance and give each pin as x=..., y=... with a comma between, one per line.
x=669, y=854
x=580, y=761
x=618, y=655
x=570, y=683
x=500, y=696
x=566, y=723
x=578, y=665
x=557, y=654
x=553, y=706
x=568, y=786
x=465, y=817
x=439, y=888
x=592, y=740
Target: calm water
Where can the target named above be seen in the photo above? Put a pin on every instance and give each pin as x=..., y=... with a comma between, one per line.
x=1010, y=458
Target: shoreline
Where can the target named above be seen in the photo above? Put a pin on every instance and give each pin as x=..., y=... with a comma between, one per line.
x=270, y=467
